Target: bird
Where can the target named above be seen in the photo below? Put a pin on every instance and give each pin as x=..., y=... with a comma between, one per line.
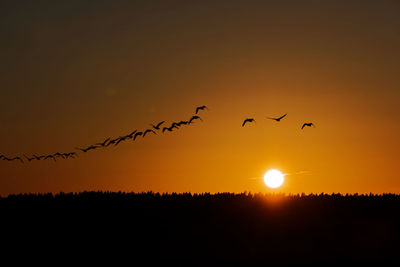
x=194, y=118
x=278, y=119
x=112, y=141
x=248, y=120
x=103, y=143
x=175, y=125
x=200, y=108
x=58, y=154
x=29, y=159
x=167, y=129
x=157, y=127
x=131, y=134
x=148, y=131
x=38, y=157
x=120, y=139
x=17, y=158
x=50, y=157
x=309, y=124
x=87, y=149
x=71, y=154
x=182, y=122
x=137, y=134
x=5, y=158
x=11, y=159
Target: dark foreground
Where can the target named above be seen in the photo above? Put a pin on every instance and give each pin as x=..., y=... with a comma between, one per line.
x=205, y=228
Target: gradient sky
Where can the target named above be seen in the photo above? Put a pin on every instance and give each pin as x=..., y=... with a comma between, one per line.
x=73, y=73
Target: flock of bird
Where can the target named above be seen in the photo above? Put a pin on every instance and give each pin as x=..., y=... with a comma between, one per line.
x=109, y=141
x=132, y=136
x=249, y=120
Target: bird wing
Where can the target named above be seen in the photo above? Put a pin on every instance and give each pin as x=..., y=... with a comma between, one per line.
x=282, y=116
x=246, y=120
x=120, y=140
x=304, y=125
x=159, y=124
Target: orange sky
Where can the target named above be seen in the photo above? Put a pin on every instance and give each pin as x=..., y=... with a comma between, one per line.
x=74, y=73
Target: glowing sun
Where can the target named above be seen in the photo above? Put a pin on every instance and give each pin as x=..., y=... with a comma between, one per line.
x=273, y=178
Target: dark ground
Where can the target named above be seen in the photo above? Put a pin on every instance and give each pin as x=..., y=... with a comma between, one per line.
x=230, y=228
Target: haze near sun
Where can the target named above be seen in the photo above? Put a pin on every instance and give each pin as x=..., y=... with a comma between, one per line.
x=273, y=178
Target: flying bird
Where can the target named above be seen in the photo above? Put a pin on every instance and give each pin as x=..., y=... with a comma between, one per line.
x=148, y=131
x=137, y=134
x=175, y=125
x=88, y=148
x=131, y=134
x=103, y=143
x=120, y=139
x=194, y=118
x=182, y=123
x=71, y=154
x=29, y=159
x=11, y=159
x=248, y=120
x=39, y=157
x=5, y=158
x=201, y=108
x=167, y=129
x=58, y=154
x=112, y=141
x=278, y=119
x=157, y=127
x=309, y=124
x=50, y=157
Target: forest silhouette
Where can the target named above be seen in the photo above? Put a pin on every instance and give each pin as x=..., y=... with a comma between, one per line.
x=205, y=228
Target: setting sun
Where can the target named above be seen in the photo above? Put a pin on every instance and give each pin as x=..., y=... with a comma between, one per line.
x=273, y=178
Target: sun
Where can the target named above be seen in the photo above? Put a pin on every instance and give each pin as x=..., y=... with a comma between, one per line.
x=273, y=178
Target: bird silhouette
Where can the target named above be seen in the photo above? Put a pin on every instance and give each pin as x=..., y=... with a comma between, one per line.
x=12, y=159
x=120, y=139
x=103, y=143
x=157, y=127
x=194, y=118
x=5, y=158
x=39, y=157
x=29, y=159
x=201, y=108
x=50, y=157
x=309, y=124
x=182, y=123
x=148, y=131
x=58, y=154
x=248, y=120
x=137, y=134
x=112, y=141
x=71, y=154
x=278, y=119
x=175, y=125
x=88, y=148
x=167, y=129
x=131, y=134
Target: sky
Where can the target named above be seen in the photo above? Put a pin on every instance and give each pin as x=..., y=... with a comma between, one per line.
x=73, y=73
